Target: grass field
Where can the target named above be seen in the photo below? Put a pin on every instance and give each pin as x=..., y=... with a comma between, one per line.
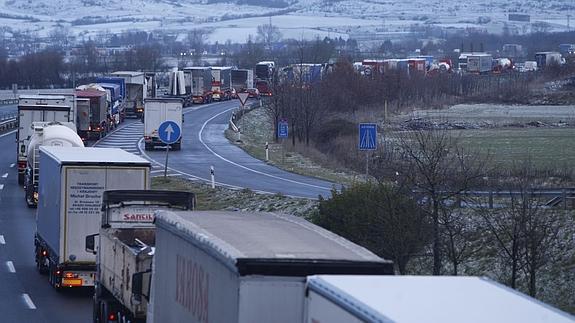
x=547, y=147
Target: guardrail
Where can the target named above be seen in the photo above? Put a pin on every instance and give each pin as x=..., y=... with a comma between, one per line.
x=8, y=121
x=8, y=101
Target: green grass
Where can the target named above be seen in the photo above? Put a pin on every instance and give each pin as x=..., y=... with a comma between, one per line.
x=546, y=147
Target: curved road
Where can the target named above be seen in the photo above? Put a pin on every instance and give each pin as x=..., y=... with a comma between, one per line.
x=205, y=145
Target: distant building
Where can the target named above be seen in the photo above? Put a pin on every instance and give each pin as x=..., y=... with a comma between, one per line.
x=519, y=17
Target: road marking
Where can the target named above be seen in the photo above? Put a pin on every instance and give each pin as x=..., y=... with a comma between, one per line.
x=244, y=167
x=28, y=301
x=156, y=171
x=5, y=175
x=2, y=241
x=10, y=266
x=8, y=133
x=1, y=186
x=12, y=165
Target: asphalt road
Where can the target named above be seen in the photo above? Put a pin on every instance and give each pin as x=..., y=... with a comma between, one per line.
x=25, y=295
x=204, y=145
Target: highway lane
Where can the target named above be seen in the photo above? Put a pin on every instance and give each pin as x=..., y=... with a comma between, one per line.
x=25, y=295
x=205, y=145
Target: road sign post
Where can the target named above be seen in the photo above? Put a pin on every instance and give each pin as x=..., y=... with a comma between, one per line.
x=283, y=133
x=169, y=133
x=367, y=141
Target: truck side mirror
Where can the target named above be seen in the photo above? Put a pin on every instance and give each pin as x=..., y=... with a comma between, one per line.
x=91, y=243
x=141, y=285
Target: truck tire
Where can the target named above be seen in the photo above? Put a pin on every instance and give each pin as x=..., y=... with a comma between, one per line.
x=148, y=147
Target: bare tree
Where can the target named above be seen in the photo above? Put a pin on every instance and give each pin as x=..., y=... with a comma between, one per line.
x=268, y=34
x=434, y=165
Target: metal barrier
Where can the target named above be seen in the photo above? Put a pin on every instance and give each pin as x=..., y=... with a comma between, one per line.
x=8, y=101
x=8, y=121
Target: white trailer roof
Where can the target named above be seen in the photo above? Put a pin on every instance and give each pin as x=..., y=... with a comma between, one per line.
x=90, y=155
x=232, y=236
x=444, y=299
x=127, y=73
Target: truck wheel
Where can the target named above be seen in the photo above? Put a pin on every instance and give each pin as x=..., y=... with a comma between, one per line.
x=148, y=147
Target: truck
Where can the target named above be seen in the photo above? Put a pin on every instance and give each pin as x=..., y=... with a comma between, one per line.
x=479, y=63
x=545, y=59
x=136, y=91
x=125, y=245
x=62, y=134
x=415, y=299
x=72, y=181
x=226, y=266
x=265, y=73
x=157, y=111
x=198, y=82
x=221, y=83
x=307, y=74
x=122, y=95
x=92, y=117
x=69, y=100
x=114, y=100
x=242, y=80
x=33, y=108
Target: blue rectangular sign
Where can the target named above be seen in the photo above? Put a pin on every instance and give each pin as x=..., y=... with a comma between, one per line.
x=283, y=129
x=367, y=136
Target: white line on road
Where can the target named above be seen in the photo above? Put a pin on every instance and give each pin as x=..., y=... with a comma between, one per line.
x=1, y=186
x=244, y=167
x=2, y=241
x=8, y=133
x=28, y=301
x=5, y=175
x=10, y=266
x=12, y=165
x=157, y=171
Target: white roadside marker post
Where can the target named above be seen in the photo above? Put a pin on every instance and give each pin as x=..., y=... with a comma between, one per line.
x=267, y=152
x=213, y=177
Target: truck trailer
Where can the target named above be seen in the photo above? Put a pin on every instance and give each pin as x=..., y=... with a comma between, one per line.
x=242, y=80
x=125, y=246
x=198, y=82
x=136, y=91
x=416, y=299
x=33, y=108
x=61, y=134
x=157, y=111
x=72, y=181
x=479, y=63
x=221, y=83
x=93, y=116
x=545, y=59
x=225, y=266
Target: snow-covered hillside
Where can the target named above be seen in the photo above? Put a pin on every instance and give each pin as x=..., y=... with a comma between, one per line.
x=236, y=20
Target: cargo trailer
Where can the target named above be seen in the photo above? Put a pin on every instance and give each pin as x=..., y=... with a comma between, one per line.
x=72, y=181
x=224, y=266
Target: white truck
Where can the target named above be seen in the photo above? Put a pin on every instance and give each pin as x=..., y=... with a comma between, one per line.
x=61, y=134
x=72, y=181
x=224, y=266
x=479, y=63
x=198, y=82
x=124, y=246
x=33, y=108
x=136, y=92
x=221, y=83
x=416, y=299
x=157, y=111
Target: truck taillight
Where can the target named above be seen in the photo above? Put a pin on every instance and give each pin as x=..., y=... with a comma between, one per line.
x=21, y=164
x=44, y=253
x=70, y=275
x=112, y=317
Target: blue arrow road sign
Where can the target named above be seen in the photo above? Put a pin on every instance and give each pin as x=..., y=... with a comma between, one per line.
x=169, y=132
x=283, y=129
x=367, y=136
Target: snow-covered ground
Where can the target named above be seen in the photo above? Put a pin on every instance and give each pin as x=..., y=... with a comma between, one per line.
x=305, y=19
